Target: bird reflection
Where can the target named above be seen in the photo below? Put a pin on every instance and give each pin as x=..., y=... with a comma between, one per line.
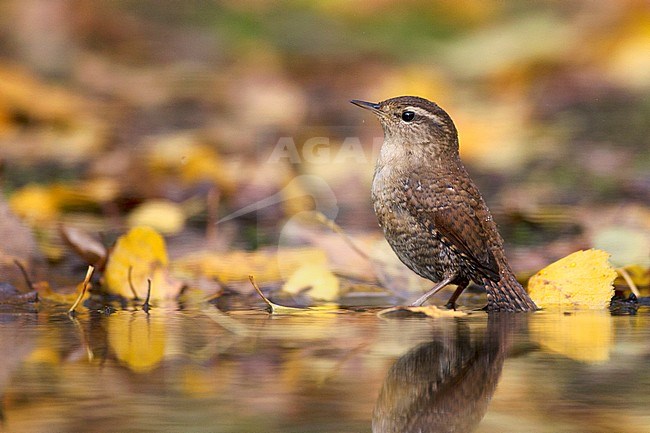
x=445, y=385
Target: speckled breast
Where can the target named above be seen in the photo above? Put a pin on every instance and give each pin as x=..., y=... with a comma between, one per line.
x=417, y=245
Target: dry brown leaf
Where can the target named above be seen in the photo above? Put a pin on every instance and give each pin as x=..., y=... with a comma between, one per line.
x=87, y=247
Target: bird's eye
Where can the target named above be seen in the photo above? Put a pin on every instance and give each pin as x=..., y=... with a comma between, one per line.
x=407, y=116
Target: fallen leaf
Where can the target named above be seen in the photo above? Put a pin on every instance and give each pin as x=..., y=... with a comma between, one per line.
x=281, y=309
x=582, y=280
x=87, y=247
x=317, y=278
x=142, y=253
x=187, y=156
x=45, y=293
x=35, y=204
x=427, y=310
x=165, y=216
x=266, y=265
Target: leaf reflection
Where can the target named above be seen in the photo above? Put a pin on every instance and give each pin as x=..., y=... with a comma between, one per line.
x=445, y=385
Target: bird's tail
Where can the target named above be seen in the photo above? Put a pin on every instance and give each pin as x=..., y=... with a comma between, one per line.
x=507, y=294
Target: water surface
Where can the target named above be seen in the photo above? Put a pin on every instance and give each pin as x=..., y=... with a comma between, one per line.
x=192, y=371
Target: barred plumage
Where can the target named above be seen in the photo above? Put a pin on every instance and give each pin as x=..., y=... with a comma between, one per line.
x=432, y=214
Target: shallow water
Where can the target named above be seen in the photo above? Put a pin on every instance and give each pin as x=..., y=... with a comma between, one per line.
x=198, y=371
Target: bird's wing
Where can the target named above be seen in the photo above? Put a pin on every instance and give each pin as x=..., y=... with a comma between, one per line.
x=461, y=229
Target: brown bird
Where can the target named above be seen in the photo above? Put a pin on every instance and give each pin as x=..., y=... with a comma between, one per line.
x=432, y=214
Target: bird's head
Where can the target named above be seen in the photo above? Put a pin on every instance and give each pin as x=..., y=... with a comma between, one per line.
x=414, y=121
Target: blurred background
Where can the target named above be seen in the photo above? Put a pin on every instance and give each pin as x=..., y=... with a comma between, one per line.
x=224, y=124
x=179, y=113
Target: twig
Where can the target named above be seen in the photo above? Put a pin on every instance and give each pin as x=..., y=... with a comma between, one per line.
x=256, y=287
x=146, y=306
x=628, y=279
x=84, y=288
x=135, y=294
x=25, y=275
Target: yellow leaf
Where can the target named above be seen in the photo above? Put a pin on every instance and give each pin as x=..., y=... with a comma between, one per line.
x=46, y=294
x=85, y=194
x=162, y=215
x=238, y=265
x=317, y=277
x=582, y=280
x=427, y=310
x=187, y=156
x=585, y=336
x=137, y=339
x=142, y=250
x=35, y=203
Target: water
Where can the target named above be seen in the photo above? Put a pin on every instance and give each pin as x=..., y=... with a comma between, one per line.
x=196, y=371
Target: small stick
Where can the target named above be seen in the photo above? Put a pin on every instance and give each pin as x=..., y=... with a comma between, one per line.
x=25, y=275
x=256, y=287
x=135, y=294
x=628, y=279
x=277, y=309
x=146, y=305
x=84, y=288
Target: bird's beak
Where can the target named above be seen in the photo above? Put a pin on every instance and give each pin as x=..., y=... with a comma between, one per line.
x=367, y=105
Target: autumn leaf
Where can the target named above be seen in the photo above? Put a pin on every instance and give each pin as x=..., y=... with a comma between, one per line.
x=162, y=215
x=266, y=265
x=317, y=278
x=582, y=280
x=142, y=255
x=283, y=310
x=87, y=247
x=45, y=293
x=427, y=310
x=35, y=204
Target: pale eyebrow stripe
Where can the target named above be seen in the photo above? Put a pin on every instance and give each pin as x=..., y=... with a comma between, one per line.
x=425, y=113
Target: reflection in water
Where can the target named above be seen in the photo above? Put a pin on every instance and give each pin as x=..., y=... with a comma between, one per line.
x=445, y=385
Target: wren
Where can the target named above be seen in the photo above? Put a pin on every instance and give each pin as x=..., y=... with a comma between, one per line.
x=432, y=214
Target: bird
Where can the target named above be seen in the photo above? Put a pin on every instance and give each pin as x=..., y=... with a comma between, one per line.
x=431, y=212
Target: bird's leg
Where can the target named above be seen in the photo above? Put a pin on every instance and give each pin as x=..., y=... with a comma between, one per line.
x=451, y=304
x=433, y=291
